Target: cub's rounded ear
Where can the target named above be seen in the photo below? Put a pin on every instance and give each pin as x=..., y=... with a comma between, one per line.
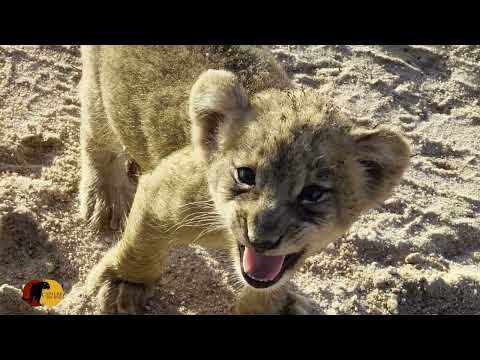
x=383, y=155
x=218, y=104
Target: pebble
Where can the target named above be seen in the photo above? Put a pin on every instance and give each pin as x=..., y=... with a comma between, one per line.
x=392, y=271
x=409, y=127
x=307, y=80
x=328, y=72
x=414, y=258
x=50, y=267
x=469, y=160
x=392, y=305
x=11, y=301
x=381, y=282
x=408, y=119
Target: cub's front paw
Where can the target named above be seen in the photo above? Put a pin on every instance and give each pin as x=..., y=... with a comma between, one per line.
x=122, y=297
x=296, y=304
x=274, y=303
x=114, y=295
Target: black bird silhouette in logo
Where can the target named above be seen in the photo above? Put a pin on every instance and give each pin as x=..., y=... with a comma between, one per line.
x=33, y=296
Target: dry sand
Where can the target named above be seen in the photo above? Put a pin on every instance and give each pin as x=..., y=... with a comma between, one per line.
x=417, y=254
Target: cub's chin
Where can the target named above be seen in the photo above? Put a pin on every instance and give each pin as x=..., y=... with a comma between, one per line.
x=266, y=272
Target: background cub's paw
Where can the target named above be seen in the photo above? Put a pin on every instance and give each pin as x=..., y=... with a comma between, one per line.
x=93, y=207
x=105, y=208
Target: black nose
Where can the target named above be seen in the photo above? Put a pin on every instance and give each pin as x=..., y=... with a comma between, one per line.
x=264, y=245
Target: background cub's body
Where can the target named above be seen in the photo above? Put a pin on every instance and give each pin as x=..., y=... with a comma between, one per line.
x=137, y=96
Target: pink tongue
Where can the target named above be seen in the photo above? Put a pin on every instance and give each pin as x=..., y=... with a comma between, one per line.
x=261, y=267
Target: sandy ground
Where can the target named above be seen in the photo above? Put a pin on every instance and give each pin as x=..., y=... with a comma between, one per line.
x=417, y=254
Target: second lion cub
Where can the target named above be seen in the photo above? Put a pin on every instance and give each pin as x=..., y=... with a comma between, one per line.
x=229, y=155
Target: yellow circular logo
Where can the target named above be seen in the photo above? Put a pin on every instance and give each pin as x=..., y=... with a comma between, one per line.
x=43, y=293
x=53, y=295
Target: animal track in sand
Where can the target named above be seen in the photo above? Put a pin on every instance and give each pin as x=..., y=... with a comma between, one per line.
x=31, y=154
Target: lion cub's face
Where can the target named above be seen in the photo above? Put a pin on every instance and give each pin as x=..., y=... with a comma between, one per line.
x=287, y=172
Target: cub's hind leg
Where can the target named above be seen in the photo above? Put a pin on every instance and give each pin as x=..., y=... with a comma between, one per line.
x=106, y=190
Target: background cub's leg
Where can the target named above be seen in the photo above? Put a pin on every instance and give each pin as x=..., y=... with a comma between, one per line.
x=106, y=192
x=275, y=302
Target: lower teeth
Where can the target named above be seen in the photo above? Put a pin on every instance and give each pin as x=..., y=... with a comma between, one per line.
x=257, y=279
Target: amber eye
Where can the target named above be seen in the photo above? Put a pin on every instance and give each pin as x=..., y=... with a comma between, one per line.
x=312, y=194
x=246, y=176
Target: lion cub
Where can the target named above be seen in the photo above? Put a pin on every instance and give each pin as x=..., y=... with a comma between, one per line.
x=229, y=155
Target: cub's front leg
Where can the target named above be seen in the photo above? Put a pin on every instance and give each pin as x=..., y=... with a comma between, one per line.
x=124, y=278
x=115, y=294
x=163, y=212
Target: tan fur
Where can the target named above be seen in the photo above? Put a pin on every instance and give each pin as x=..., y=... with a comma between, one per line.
x=188, y=129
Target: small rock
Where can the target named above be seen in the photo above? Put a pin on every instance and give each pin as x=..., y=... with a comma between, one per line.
x=363, y=121
x=414, y=258
x=372, y=236
x=469, y=160
x=392, y=305
x=307, y=80
x=304, y=66
x=325, y=62
x=50, y=267
x=409, y=127
x=382, y=282
x=331, y=246
x=51, y=139
x=11, y=302
x=444, y=105
x=408, y=119
x=283, y=55
x=392, y=271
x=328, y=72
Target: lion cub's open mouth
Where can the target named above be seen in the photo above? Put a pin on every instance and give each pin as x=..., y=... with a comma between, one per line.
x=262, y=271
